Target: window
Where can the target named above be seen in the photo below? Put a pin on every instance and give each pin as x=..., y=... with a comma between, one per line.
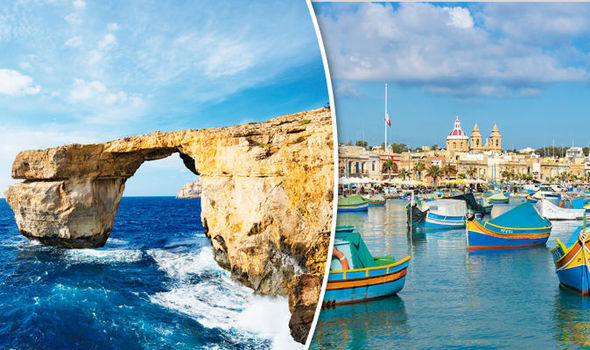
x=373, y=166
x=454, y=145
x=496, y=143
x=477, y=143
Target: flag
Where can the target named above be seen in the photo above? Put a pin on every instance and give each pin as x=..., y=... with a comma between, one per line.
x=387, y=119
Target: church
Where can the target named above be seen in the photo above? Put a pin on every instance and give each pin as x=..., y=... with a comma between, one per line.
x=458, y=141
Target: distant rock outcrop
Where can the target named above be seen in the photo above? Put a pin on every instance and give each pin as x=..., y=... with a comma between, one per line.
x=267, y=195
x=190, y=190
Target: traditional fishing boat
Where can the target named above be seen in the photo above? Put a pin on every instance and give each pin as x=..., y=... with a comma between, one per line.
x=375, y=201
x=519, y=227
x=486, y=206
x=355, y=275
x=447, y=213
x=352, y=204
x=436, y=214
x=498, y=198
x=572, y=261
x=551, y=211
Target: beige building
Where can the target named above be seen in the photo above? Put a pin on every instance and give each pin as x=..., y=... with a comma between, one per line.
x=457, y=141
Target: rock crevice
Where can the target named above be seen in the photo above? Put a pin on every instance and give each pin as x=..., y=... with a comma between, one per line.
x=266, y=196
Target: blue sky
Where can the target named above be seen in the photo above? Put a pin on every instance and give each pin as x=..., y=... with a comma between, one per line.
x=524, y=66
x=91, y=71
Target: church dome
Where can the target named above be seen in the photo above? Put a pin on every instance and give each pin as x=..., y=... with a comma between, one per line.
x=457, y=133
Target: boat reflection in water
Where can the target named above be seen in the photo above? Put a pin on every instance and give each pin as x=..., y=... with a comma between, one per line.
x=379, y=324
x=572, y=319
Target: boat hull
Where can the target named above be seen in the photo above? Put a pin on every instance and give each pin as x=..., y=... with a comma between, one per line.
x=499, y=201
x=572, y=267
x=480, y=237
x=553, y=212
x=439, y=222
x=354, y=286
x=353, y=208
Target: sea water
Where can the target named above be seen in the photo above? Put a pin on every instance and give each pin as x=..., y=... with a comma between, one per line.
x=454, y=299
x=155, y=285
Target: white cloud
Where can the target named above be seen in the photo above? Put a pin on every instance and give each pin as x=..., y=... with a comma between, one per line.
x=13, y=83
x=96, y=91
x=113, y=27
x=107, y=42
x=79, y=4
x=460, y=17
x=75, y=41
x=443, y=50
x=73, y=18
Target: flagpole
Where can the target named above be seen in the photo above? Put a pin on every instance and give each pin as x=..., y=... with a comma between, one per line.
x=385, y=124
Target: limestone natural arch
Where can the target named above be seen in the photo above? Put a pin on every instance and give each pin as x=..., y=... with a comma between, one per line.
x=266, y=202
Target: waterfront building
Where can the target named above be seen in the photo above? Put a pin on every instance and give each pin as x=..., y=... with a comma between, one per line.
x=457, y=141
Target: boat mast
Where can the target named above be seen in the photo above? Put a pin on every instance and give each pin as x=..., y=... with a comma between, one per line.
x=386, y=121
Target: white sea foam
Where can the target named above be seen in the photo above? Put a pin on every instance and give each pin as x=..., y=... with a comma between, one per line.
x=103, y=256
x=268, y=317
x=216, y=301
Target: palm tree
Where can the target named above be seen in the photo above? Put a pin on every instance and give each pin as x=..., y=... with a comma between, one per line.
x=449, y=169
x=404, y=173
x=389, y=166
x=471, y=171
x=434, y=172
x=419, y=168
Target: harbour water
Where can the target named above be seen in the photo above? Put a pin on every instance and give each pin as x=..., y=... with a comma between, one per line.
x=456, y=299
x=154, y=285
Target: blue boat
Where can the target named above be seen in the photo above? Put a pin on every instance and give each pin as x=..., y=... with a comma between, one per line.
x=572, y=261
x=519, y=227
x=437, y=214
x=356, y=276
x=486, y=206
x=353, y=203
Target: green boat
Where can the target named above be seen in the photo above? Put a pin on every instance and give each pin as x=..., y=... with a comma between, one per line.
x=353, y=203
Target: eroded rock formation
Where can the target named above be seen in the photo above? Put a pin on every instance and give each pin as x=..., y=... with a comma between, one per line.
x=190, y=190
x=267, y=192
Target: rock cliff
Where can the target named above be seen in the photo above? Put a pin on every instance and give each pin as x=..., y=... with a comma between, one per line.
x=266, y=197
x=190, y=190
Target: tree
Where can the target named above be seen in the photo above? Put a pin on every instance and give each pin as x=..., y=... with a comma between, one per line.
x=462, y=176
x=434, y=172
x=389, y=166
x=419, y=168
x=404, y=173
x=362, y=143
x=434, y=147
x=506, y=174
x=471, y=172
x=449, y=169
x=399, y=147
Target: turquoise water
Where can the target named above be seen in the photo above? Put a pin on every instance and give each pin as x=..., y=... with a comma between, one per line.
x=456, y=299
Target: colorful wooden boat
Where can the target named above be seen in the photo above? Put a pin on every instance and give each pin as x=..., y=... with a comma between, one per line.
x=357, y=276
x=437, y=214
x=572, y=261
x=553, y=212
x=519, y=227
x=498, y=198
x=352, y=204
x=375, y=201
x=487, y=207
x=531, y=199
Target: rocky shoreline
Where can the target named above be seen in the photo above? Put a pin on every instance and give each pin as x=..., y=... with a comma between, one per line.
x=267, y=195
